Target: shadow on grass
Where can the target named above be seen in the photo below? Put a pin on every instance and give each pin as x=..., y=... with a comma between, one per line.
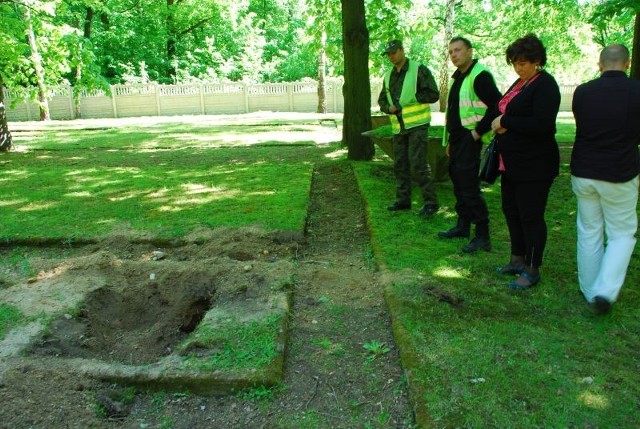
x=68, y=184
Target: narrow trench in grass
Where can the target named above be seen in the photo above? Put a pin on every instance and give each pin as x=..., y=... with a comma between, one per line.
x=342, y=367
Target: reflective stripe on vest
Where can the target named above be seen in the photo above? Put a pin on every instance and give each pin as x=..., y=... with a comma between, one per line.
x=472, y=109
x=414, y=113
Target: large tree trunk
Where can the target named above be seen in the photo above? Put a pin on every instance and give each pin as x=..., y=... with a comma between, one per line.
x=36, y=58
x=322, y=75
x=356, y=90
x=88, y=22
x=443, y=78
x=635, y=57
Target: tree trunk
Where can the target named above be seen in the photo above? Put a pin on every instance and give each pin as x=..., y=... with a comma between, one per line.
x=171, y=41
x=356, y=90
x=443, y=78
x=88, y=23
x=39, y=69
x=635, y=53
x=6, y=141
x=322, y=75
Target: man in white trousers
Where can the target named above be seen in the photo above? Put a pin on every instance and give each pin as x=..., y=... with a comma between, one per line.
x=604, y=176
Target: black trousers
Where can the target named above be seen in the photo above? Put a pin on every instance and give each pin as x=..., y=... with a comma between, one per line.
x=523, y=205
x=410, y=159
x=464, y=164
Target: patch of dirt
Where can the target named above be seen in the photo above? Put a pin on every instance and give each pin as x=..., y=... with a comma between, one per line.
x=341, y=368
x=134, y=323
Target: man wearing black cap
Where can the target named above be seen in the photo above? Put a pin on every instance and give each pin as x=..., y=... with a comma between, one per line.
x=408, y=89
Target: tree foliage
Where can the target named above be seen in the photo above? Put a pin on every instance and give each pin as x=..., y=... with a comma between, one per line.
x=618, y=21
x=90, y=43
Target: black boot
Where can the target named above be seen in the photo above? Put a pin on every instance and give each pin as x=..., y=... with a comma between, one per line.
x=462, y=229
x=481, y=241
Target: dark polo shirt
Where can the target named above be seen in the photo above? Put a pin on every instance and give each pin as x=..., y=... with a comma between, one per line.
x=607, y=112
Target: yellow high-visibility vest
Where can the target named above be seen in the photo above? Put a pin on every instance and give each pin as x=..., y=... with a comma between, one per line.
x=414, y=113
x=472, y=109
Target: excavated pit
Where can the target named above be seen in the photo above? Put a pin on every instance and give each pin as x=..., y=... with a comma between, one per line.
x=131, y=324
x=134, y=314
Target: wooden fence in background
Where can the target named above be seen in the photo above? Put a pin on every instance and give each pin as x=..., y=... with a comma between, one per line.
x=200, y=99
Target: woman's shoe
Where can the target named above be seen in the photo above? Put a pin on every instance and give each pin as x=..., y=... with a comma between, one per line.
x=511, y=269
x=530, y=278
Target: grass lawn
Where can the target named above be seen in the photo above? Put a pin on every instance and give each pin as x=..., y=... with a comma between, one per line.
x=478, y=354
x=483, y=356
x=158, y=180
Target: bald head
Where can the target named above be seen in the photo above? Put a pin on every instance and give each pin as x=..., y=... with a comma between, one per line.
x=614, y=57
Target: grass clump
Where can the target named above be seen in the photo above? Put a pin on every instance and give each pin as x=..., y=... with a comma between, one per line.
x=10, y=317
x=234, y=344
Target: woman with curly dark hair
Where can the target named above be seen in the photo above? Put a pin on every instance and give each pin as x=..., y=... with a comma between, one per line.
x=525, y=133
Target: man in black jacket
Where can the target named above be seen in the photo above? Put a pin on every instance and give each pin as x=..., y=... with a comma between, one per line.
x=472, y=105
x=605, y=164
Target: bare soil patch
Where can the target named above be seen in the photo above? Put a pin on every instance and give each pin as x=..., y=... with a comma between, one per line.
x=341, y=369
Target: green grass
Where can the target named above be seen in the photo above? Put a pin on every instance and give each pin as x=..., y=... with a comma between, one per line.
x=10, y=317
x=479, y=355
x=483, y=356
x=566, y=128
x=160, y=181
x=236, y=345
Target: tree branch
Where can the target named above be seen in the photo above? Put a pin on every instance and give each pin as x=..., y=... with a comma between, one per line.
x=194, y=26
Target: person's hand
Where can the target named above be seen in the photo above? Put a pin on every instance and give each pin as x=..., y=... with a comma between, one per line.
x=393, y=109
x=497, y=127
x=495, y=124
x=446, y=151
x=475, y=135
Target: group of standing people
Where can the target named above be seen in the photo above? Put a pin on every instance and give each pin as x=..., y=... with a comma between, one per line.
x=605, y=160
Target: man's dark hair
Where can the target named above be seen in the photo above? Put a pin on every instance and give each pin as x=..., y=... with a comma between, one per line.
x=614, y=55
x=527, y=48
x=464, y=40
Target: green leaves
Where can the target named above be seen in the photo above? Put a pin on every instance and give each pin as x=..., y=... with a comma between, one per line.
x=90, y=42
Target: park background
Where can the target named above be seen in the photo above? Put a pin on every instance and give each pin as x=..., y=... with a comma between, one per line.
x=78, y=49
x=474, y=355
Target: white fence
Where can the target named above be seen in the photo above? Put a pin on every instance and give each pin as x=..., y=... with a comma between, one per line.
x=201, y=99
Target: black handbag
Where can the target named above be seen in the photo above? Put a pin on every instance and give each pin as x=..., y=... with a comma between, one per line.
x=489, y=163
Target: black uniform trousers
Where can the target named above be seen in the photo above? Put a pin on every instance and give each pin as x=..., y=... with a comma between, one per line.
x=464, y=165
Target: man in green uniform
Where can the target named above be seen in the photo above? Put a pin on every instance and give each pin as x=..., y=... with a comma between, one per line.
x=409, y=88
